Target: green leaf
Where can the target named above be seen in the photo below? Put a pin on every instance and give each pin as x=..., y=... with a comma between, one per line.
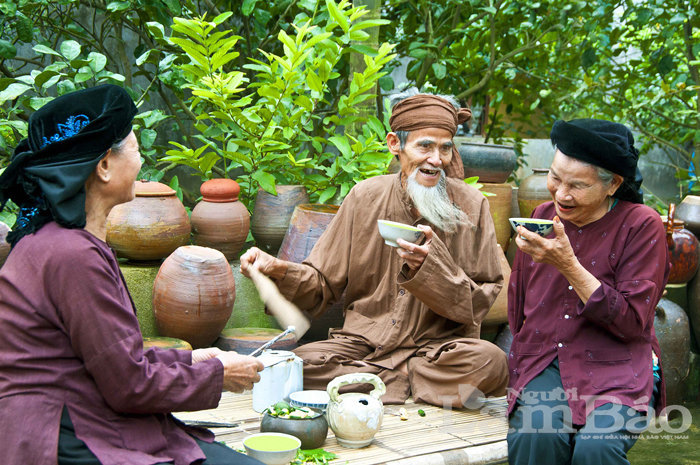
x=337, y=15
x=440, y=70
x=44, y=76
x=327, y=193
x=266, y=181
x=156, y=29
x=70, y=49
x=45, y=50
x=37, y=102
x=13, y=91
x=342, y=144
x=7, y=50
x=118, y=6
x=147, y=136
x=97, y=61
x=248, y=6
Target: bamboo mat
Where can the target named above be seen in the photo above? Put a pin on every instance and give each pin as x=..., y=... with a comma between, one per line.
x=441, y=437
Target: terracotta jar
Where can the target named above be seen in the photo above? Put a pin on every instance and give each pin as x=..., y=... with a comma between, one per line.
x=682, y=248
x=673, y=332
x=247, y=340
x=500, y=208
x=272, y=214
x=193, y=295
x=307, y=224
x=533, y=192
x=4, y=245
x=151, y=226
x=220, y=221
x=693, y=306
x=688, y=211
x=492, y=163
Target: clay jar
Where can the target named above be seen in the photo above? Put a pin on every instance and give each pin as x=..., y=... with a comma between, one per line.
x=673, y=332
x=533, y=192
x=682, y=248
x=500, y=207
x=492, y=163
x=272, y=214
x=311, y=431
x=308, y=222
x=688, y=211
x=193, y=295
x=151, y=226
x=220, y=221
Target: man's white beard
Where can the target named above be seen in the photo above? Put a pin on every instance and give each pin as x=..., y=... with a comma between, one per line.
x=434, y=204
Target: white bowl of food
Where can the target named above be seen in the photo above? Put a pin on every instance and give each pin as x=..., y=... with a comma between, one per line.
x=392, y=230
x=272, y=448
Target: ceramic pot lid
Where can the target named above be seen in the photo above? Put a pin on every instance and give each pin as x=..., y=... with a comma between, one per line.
x=152, y=189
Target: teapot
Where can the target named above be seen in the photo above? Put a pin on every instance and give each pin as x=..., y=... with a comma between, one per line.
x=355, y=417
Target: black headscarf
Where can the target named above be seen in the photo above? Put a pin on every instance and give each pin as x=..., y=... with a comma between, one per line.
x=67, y=137
x=605, y=144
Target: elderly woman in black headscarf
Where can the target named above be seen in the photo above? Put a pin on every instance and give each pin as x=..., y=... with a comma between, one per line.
x=75, y=382
x=583, y=367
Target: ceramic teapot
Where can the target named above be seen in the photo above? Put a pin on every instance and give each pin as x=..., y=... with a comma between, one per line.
x=355, y=417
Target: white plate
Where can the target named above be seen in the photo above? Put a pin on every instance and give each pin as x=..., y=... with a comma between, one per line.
x=313, y=399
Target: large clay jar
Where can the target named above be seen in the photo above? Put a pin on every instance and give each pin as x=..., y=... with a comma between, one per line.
x=682, y=248
x=4, y=245
x=355, y=417
x=193, y=295
x=688, y=211
x=308, y=222
x=151, y=226
x=533, y=192
x=492, y=163
x=498, y=313
x=220, y=221
x=673, y=332
x=500, y=208
x=693, y=307
x=272, y=214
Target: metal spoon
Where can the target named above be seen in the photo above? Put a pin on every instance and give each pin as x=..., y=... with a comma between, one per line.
x=289, y=330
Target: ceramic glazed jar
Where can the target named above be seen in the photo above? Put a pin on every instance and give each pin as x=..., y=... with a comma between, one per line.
x=688, y=211
x=533, y=192
x=673, y=332
x=682, y=248
x=492, y=163
x=355, y=417
x=310, y=431
x=193, y=295
x=151, y=226
x=272, y=214
x=220, y=221
x=500, y=207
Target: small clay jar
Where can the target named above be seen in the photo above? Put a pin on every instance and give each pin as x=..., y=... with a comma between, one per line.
x=220, y=220
x=193, y=295
x=151, y=226
x=533, y=192
x=682, y=248
x=272, y=214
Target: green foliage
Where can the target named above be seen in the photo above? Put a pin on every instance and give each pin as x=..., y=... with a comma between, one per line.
x=270, y=128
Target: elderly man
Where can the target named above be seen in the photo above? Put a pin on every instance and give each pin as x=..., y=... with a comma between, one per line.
x=412, y=314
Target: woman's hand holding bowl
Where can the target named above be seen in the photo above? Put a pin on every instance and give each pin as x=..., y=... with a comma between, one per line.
x=556, y=251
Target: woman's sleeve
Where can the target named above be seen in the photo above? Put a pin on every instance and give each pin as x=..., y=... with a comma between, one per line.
x=626, y=307
x=104, y=333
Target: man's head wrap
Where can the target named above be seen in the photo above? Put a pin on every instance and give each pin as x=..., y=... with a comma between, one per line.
x=430, y=111
x=605, y=144
x=66, y=139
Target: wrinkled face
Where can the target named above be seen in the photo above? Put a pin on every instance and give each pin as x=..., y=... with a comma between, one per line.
x=127, y=163
x=427, y=150
x=578, y=193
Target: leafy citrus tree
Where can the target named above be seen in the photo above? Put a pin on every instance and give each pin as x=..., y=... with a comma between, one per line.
x=278, y=126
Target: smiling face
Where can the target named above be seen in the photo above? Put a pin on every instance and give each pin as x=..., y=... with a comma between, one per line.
x=427, y=150
x=578, y=193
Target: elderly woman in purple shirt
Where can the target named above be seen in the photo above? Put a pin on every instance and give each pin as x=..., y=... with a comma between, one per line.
x=583, y=369
x=76, y=385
